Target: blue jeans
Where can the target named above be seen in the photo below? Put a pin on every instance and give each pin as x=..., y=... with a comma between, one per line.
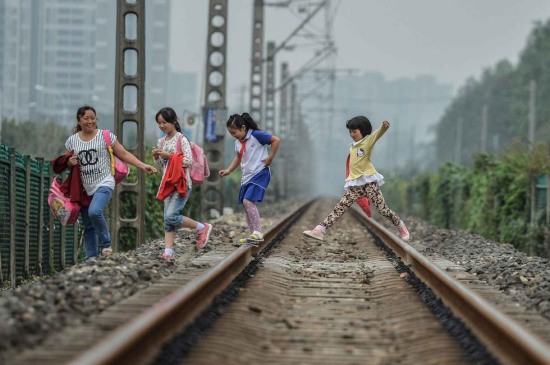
x=96, y=231
x=172, y=208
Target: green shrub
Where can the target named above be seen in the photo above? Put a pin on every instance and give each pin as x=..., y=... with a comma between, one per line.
x=490, y=199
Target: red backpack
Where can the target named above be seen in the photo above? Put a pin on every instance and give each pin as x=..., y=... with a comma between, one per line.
x=199, y=169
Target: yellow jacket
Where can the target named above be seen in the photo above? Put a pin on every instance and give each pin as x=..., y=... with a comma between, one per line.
x=360, y=153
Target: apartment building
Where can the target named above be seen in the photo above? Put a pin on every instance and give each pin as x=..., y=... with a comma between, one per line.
x=56, y=55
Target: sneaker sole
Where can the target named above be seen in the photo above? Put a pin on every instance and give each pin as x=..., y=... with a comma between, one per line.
x=314, y=237
x=248, y=240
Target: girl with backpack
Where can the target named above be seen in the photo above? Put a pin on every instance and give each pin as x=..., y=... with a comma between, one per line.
x=253, y=157
x=173, y=154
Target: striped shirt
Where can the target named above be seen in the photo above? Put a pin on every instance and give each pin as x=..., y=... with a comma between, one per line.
x=94, y=161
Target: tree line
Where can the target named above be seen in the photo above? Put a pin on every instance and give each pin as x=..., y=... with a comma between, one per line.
x=489, y=113
x=35, y=139
x=493, y=155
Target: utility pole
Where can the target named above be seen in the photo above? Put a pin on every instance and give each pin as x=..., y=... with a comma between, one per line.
x=282, y=132
x=531, y=138
x=532, y=112
x=285, y=119
x=131, y=112
x=484, y=124
x=242, y=92
x=270, y=89
x=256, y=69
x=283, y=103
x=273, y=49
x=458, y=144
x=215, y=112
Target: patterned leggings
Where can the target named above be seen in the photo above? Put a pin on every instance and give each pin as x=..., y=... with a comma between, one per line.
x=372, y=191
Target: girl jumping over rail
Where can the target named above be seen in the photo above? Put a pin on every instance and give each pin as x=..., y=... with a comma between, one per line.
x=363, y=179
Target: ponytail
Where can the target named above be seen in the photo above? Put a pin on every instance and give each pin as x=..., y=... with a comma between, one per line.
x=249, y=121
x=237, y=121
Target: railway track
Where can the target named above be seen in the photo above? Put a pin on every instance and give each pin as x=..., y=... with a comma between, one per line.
x=297, y=301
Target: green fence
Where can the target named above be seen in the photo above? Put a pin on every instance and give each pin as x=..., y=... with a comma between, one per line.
x=32, y=241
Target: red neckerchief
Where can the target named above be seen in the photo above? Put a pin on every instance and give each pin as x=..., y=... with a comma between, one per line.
x=243, y=144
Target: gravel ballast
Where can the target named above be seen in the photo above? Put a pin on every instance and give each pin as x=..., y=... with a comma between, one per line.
x=72, y=297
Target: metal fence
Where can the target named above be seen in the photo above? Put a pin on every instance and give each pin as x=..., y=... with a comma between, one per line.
x=32, y=241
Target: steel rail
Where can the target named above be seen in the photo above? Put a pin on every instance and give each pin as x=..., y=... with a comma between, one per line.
x=140, y=340
x=505, y=338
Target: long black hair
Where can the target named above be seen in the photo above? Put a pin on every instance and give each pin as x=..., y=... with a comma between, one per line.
x=237, y=121
x=169, y=115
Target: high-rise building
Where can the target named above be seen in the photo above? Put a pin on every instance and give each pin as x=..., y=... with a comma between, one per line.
x=2, y=21
x=103, y=97
x=53, y=56
x=57, y=55
x=65, y=60
x=15, y=63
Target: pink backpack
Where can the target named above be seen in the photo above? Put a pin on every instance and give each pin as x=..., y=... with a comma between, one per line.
x=199, y=169
x=61, y=206
x=119, y=168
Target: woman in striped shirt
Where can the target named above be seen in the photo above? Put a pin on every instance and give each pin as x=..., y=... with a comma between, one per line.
x=91, y=154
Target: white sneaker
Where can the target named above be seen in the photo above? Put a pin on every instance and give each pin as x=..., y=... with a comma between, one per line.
x=253, y=239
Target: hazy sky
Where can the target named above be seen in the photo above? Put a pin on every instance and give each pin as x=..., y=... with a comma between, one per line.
x=452, y=39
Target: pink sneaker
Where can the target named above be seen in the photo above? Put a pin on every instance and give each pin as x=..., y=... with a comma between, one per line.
x=318, y=233
x=403, y=231
x=203, y=235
